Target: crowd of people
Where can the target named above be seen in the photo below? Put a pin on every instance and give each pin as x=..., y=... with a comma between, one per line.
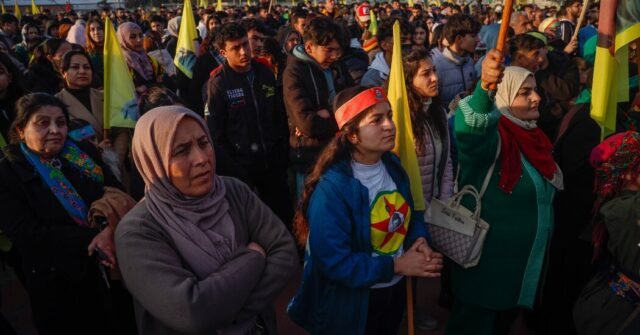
x=277, y=151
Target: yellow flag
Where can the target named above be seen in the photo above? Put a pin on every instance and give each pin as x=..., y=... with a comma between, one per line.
x=4, y=11
x=405, y=147
x=373, y=25
x=16, y=10
x=618, y=25
x=219, y=6
x=185, y=57
x=34, y=9
x=120, y=103
x=249, y=3
x=410, y=2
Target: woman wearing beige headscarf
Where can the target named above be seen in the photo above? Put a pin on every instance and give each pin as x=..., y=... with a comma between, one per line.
x=200, y=253
x=517, y=203
x=144, y=70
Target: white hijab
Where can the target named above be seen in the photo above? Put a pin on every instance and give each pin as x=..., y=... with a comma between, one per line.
x=507, y=91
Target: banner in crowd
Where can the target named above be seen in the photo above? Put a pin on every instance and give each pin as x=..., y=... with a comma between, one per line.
x=34, y=9
x=186, y=54
x=120, y=103
x=16, y=10
x=373, y=25
x=405, y=146
x=618, y=25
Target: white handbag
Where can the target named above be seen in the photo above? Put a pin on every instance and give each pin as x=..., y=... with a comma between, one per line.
x=457, y=232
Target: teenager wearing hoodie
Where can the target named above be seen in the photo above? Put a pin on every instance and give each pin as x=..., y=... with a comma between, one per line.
x=378, y=71
x=310, y=86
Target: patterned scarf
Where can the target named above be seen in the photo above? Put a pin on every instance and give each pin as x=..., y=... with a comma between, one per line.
x=51, y=173
x=613, y=159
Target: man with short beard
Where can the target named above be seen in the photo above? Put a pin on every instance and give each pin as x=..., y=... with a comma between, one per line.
x=568, y=16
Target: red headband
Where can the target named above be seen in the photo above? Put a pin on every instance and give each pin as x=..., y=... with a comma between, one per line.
x=358, y=104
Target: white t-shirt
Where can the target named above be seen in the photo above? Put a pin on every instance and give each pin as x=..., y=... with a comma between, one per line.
x=390, y=212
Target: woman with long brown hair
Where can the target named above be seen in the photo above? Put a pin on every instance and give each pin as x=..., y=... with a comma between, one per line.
x=432, y=139
x=95, y=45
x=356, y=218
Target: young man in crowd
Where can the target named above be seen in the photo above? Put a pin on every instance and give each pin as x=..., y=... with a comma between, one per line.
x=257, y=33
x=247, y=122
x=9, y=31
x=456, y=71
x=378, y=71
x=310, y=88
x=568, y=17
x=557, y=77
x=298, y=20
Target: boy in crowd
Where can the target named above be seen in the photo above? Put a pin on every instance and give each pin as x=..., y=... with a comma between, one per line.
x=311, y=87
x=247, y=122
x=456, y=71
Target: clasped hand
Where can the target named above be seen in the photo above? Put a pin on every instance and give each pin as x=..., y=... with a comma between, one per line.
x=419, y=261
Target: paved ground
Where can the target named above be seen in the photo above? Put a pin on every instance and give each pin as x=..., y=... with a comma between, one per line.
x=15, y=306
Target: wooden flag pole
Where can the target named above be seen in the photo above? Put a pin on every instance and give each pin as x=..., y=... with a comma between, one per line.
x=583, y=13
x=409, y=283
x=502, y=34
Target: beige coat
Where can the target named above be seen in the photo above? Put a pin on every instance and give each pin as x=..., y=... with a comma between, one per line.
x=78, y=111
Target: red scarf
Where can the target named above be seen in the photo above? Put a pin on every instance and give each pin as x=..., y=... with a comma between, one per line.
x=533, y=144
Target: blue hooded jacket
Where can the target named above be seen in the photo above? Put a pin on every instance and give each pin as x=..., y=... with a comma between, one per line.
x=339, y=267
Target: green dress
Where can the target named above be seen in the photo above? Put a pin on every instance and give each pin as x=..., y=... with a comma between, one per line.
x=521, y=223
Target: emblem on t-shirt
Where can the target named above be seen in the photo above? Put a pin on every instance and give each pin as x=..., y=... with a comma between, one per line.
x=390, y=216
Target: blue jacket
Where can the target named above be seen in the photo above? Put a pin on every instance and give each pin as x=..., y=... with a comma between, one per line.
x=339, y=268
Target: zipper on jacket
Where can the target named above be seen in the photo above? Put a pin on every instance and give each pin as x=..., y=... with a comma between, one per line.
x=315, y=86
x=255, y=104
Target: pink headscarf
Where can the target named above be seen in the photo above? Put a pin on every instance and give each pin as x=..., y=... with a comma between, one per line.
x=201, y=228
x=137, y=60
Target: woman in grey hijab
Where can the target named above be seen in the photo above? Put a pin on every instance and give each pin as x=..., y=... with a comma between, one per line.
x=200, y=253
x=170, y=40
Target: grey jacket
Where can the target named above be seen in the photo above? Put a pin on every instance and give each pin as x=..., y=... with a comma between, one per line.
x=455, y=74
x=168, y=299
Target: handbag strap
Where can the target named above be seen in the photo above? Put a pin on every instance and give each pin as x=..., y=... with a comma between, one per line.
x=487, y=178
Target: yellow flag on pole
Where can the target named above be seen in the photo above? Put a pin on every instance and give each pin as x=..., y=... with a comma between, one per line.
x=34, y=9
x=120, y=103
x=16, y=10
x=410, y=3
x=185, y=57
x=405, y=146
x=373, y=25
x=219, y=6
x=618, y=25
x=4, y=11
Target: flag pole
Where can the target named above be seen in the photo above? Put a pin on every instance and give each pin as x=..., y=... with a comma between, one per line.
x=583, y=13
x=638, y=57
x=409, y=283
x=502, y=34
